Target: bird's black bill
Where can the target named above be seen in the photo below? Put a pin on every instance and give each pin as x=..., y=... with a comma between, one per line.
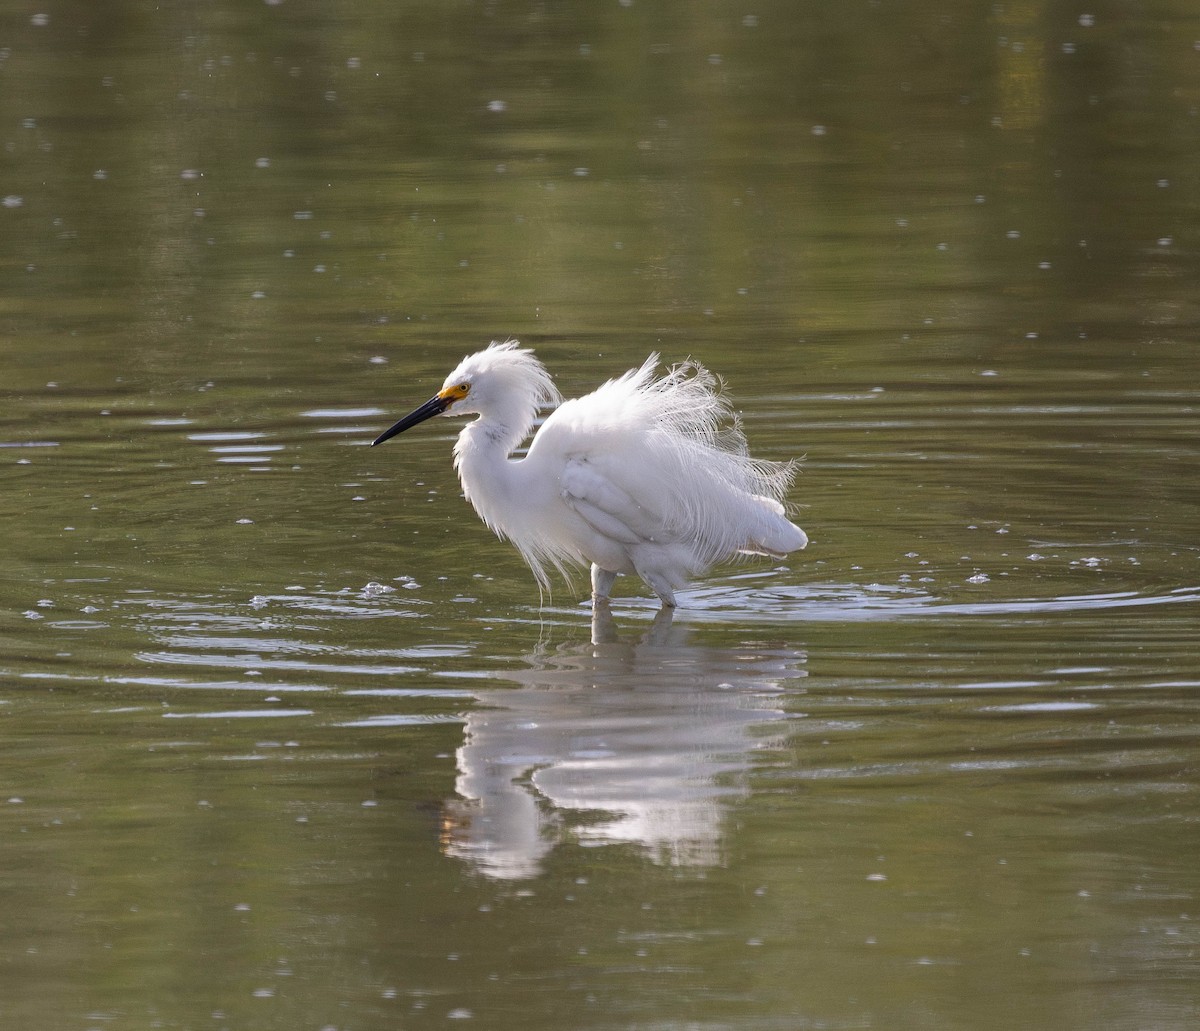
x=434, y=406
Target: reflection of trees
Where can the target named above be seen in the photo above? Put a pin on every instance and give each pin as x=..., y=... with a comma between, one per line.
x=644, y=743
x=676, y=156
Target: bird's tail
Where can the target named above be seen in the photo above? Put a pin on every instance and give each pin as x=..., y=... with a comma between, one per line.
x=775, y=535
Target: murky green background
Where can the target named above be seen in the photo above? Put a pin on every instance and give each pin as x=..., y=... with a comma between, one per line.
x=286, y=741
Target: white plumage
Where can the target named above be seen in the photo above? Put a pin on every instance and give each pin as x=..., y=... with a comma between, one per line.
x=644, y=475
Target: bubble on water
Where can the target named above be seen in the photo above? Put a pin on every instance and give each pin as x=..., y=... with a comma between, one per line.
x=374, y=589
x=258, y=602
x=978, y=578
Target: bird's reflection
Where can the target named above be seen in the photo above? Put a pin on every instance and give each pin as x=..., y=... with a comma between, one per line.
x=646, y=741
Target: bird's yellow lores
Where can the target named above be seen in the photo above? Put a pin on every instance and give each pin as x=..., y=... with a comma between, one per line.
x=647, y=474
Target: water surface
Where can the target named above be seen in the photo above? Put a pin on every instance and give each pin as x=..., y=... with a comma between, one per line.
x=290, y=741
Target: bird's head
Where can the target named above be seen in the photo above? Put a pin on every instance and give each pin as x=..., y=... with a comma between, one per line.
x=504, y=381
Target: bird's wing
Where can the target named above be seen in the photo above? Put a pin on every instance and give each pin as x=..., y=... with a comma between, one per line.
x=604, y=503
x=594, y=449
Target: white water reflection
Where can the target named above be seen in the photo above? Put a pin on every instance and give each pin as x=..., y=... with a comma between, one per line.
x=853, y=602
x=646, y=743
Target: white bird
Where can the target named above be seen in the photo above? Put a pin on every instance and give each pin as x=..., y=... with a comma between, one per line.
x=645, y=475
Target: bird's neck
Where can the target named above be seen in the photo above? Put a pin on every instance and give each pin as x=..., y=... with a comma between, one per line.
x=489, y=479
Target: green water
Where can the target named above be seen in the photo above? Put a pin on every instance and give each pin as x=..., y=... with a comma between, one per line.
x=287, y=739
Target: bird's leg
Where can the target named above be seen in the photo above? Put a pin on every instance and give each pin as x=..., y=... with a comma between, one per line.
x=602, y=581
x=659, y=585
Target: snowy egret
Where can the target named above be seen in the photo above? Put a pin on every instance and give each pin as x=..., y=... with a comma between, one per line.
x=647, y=474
